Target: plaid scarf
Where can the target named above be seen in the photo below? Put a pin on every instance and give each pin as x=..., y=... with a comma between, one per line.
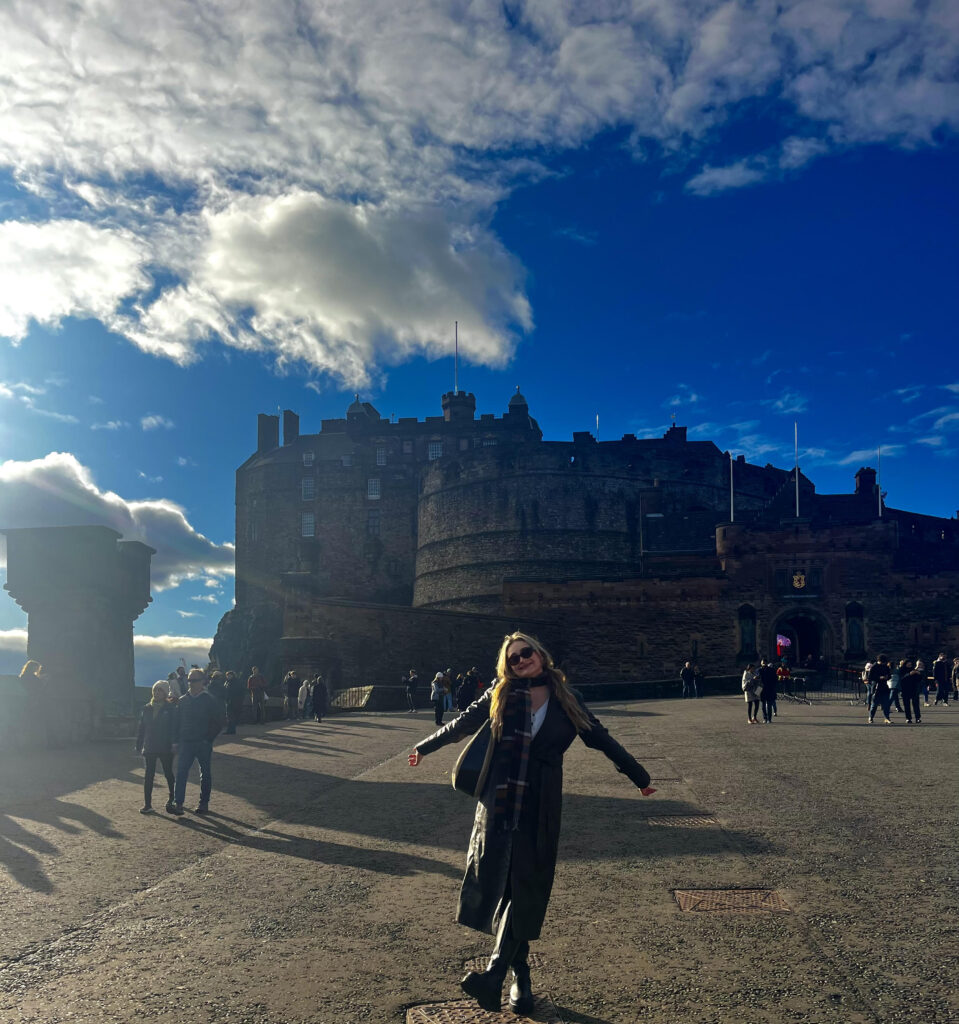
x=512, y=758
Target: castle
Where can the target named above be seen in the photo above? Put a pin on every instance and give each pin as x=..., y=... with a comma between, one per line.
x=373, y=546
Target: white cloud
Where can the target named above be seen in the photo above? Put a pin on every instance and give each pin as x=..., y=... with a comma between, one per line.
x=149, y=479
x=207, y=598
x=934, y=441
x=155, y=422
x=64, y=268
x=58, y=490
x=26, y=395
x=110, y=425
x=189, y=615
x=711, y=180
x=788, y=402
x=13, y=641
x=182, y=460
x=394, y=129
x=869, y=455
x=213, y=584
x=686, y=396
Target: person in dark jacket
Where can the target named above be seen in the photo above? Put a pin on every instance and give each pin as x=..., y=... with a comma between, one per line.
x=941, y=674
x=909, y=685
x=155, y=742
x=688, y=678
x=879, y=676
x=235, y=691
x=767, y=680
x=200, y=718
x=318, y=696
x=291, y=683
x=534, y=716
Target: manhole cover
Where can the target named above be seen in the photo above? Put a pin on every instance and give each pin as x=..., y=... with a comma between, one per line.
x=752, y=901
x=683, y=820
x=465, y=1011
x=478, y=963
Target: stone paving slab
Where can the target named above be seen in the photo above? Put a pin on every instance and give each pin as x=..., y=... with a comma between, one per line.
x=322, y=889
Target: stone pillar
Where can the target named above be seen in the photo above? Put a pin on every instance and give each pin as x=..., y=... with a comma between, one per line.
x=82, y=588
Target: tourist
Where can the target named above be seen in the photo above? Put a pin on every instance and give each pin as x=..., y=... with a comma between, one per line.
x=200, y=718
x=256, y=685
x=879, y=676
x=173, y=682
x=698, y=680
x=438, y=697
x=303, y=698
x=448, y=690
x=292, y=683
x=235, y=691
x=924, y=686
x=534, y=716
x=155, y=742
x=909, y=683
x=320, y=698
x=783, y=680
x=895, y=683
x=216, y=687
x=767, y=690
x=940, y=675
x=688, y=679
x=955, y=679
x=410, y=682
x=751, y=691
x=466, y=692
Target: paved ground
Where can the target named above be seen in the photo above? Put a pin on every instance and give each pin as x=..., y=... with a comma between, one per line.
x=323, y=889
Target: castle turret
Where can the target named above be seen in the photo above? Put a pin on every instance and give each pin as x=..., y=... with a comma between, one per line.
x=459, y=407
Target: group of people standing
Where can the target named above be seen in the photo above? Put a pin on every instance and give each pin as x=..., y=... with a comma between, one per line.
x=760, y=687
x=905, y=682
x=447, y=690
x=304, y=698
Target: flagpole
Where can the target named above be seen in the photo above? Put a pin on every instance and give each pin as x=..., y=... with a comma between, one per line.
x=879, y=479
x=732, y=507
x=456, y=357
x=796, y=441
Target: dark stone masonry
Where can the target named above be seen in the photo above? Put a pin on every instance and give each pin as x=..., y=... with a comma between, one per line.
x=373, y=546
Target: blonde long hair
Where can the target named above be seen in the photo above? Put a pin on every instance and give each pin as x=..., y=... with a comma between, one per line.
x=560, y=688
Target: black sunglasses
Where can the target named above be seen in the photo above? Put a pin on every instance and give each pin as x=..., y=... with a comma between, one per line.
x=523, y=654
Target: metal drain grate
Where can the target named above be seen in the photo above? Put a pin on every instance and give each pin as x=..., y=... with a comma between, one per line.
x=749, y=901
x=683, y=820
x=465, y=1011
x=478, y=963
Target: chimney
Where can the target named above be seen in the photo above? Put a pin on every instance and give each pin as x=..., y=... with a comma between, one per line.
x=267, y=432
x=291, y=426
x=866, y=482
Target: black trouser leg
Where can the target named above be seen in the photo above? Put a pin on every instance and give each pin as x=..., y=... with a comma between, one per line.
x=150, y=760
x=166, y=760
x=486, y=987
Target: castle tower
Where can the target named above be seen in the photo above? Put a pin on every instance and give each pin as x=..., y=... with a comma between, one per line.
x=82, y=588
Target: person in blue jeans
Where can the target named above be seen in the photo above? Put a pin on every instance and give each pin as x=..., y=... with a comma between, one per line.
x=200, y=718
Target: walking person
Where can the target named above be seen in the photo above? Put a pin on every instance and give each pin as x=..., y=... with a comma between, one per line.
x=879, y=676
x=291, y=683
x=940, y=675
x=534, y=717
x=256, y=685
x=751, y=691
x=438, y=697
x=688, y=679
x=303, y=698
x=909, y=683
x=895, y=684
x=200, y=718
x=410, y=681
x=155, y=742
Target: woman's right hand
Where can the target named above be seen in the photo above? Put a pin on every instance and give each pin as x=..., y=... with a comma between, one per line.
x=414, y=758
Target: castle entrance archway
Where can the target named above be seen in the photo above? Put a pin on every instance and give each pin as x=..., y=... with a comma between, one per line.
x=808, y=634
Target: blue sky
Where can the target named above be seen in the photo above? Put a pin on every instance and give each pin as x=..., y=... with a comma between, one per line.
x=736, y=214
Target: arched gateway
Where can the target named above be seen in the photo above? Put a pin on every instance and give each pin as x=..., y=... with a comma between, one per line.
x=808, y=633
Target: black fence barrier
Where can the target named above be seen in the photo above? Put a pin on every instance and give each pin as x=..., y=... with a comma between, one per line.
x=834, y=683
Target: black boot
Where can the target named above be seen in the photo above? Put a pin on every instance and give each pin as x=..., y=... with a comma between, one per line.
x=521, y=991
x=486, y=987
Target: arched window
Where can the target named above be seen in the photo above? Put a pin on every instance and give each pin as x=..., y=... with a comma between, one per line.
x=855, y=633
x=747, y=631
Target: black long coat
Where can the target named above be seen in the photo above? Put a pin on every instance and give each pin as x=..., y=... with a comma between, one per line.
x=520, y=865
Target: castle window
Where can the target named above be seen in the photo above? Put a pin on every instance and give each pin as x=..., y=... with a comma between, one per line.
x=308, y=458
x=373, y=487
x=307, y=488
x=373, y=522
x=347, y=460
x=381, y=455
x=407, y=447
x=307, y=524
x=747, y=631
x=489, y=442
x=855, y=634
x=435, y=450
